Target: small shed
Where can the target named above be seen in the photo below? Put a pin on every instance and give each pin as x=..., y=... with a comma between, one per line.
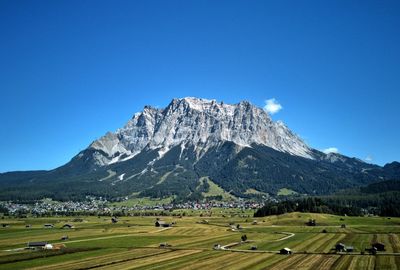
x=285, y=251
x=217, y=246
x=48, y=226
x=161, y=223
x=372, y=250
x=379, y=246
x=311, y=222
x=340, y=247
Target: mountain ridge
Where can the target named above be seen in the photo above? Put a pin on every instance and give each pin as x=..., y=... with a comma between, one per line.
x=165, y=152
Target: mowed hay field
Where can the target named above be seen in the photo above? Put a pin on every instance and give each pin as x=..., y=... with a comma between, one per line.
x=133, y=242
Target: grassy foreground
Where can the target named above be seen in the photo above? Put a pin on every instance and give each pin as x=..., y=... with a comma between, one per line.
x=133, y=242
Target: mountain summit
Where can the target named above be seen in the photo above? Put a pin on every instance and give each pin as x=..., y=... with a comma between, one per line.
x=200, y=123
x=191, y=149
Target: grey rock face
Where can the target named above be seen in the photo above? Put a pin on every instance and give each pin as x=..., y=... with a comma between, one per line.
x=200, y=123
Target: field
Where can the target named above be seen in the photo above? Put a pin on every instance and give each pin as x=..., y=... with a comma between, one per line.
x=133, y=242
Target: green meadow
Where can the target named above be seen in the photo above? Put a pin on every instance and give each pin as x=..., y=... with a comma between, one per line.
x=134, y=242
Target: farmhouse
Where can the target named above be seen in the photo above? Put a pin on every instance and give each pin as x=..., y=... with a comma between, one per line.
x=379, y=246
x=37, y=245
x=285, y=251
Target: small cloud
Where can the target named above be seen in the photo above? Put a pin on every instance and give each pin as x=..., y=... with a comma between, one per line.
x=369, y=158
x=272, y=106
x=331, y=150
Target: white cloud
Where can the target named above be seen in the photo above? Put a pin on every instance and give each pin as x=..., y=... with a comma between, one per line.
x=272, y=106
x=331, y=150
x=368, y=158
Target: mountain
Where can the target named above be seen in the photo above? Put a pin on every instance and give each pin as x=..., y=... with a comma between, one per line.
x=190, y=147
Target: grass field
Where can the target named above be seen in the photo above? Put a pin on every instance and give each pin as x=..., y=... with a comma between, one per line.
x=133, y=243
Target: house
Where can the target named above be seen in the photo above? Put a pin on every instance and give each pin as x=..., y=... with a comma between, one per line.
x=285, y=251
x=48, y=226
x=379, y=246
x=311, y=222
x=67, y=226
x=340, y=247
x=36, y=245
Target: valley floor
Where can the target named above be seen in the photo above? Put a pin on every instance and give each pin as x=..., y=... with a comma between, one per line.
x=134, y=242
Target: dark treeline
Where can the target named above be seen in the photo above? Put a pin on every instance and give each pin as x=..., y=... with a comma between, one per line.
x=381, y=198
x=311, y=204
x=382, y=204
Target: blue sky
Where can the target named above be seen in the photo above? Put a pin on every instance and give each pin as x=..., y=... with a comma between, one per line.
x=72, y=70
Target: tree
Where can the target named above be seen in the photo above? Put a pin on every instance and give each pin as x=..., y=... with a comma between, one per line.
x=244, y=238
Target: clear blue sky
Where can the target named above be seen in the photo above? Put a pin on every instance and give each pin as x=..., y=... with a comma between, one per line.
x=72, y=70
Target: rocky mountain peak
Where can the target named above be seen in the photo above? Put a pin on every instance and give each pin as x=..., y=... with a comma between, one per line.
x=200, y=123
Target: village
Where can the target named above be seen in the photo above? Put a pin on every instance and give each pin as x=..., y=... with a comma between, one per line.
x=100, y=206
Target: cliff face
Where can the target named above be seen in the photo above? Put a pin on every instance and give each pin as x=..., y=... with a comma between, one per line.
x=200, y=123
